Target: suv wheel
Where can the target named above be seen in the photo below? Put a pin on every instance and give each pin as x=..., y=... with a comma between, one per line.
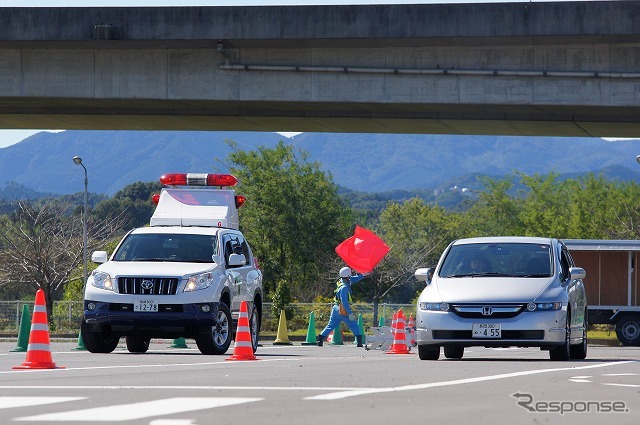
x=97, y=342
x=137, y=344
x=254, y=327
x=218, y=339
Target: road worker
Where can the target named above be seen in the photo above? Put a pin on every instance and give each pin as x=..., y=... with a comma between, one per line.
x=341, y=310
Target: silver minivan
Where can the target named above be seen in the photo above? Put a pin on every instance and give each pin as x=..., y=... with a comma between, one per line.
x=503, y=292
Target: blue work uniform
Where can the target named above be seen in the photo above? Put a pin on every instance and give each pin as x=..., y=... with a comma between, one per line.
x=343, y=297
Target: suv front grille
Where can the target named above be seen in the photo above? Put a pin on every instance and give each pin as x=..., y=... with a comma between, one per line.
x=148, y=285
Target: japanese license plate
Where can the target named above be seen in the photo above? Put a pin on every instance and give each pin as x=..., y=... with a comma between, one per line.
x=486, y=330
x=145, y=305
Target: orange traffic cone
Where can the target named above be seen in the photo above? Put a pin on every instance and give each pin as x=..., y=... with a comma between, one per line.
x=399, y=345
x=411, y=324
x=412, y=331
x=38, y=350
x=243, y=348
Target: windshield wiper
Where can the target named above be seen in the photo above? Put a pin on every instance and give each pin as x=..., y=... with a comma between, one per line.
x=482, y=274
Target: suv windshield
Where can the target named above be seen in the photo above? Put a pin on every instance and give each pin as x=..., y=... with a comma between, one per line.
x=168, y=247
x=498, y=259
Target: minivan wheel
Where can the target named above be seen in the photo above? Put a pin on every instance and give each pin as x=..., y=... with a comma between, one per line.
x=563, y=352
x=579, y=351
x=218, y=339
x=429, y=352
x=453, y=352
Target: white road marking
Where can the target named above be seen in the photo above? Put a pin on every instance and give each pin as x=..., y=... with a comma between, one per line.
x=9, y=402
x=217, y=363
x=174, y=387
x=580, y=378
x=624, y=385
x=619, y=374
x=127, y=412
x=354, y=393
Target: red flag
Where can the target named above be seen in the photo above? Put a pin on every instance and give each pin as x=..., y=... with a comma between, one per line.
x=362, y=251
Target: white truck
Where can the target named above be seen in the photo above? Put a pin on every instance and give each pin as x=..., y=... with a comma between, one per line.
x=184, y=276
x=612, y=283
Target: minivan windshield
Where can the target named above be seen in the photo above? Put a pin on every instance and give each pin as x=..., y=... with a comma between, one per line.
x=168, y=247
x=498, y=259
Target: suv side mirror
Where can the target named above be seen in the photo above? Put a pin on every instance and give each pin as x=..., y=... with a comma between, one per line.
x=424, y=275
x=236, y=260
x=99, y=257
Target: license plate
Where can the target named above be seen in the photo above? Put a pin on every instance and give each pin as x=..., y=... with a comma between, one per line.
x=145, y=305
x=486, y=330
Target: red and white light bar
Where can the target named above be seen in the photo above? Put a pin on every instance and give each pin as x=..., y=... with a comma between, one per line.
x=198, y=179
x=239, y=199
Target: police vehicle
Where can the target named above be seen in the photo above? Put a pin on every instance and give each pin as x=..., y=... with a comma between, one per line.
x=184, y=276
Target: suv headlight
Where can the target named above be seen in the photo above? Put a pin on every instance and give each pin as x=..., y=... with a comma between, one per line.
x=198, y=282
x=433, y=306
x=102, y=280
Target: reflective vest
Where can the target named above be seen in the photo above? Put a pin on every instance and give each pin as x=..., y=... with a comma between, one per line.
x=337, y=300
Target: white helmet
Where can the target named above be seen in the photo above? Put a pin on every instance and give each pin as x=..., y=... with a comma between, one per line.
x=345, y=272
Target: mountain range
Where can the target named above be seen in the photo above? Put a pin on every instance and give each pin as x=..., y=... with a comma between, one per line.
x=359, y=162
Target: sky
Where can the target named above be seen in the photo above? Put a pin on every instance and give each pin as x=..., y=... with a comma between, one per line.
x=10, y=137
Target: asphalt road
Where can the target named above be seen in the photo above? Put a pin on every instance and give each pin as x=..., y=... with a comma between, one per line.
x=331, y=384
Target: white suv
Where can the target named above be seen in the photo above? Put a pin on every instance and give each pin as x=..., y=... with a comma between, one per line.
x=184, y=276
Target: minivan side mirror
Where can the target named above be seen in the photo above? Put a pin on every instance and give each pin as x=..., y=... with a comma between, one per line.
x=424, y=275
x=577, y=273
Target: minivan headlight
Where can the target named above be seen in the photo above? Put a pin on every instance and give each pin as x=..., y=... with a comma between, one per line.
x=102, y=280
x=198, y=282
x=544, y=306
x=433, y=306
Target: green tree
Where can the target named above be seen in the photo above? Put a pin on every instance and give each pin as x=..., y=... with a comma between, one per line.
x=621, y=219
x=293, y=217
x=546, y=211
x=281, y=298
x=497, y=211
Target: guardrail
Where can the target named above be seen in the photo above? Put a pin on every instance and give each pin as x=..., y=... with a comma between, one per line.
x=67, y=315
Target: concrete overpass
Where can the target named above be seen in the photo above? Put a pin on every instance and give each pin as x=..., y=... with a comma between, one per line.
x=561, y=69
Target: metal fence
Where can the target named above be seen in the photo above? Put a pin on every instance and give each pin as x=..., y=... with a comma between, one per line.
x=67, y=315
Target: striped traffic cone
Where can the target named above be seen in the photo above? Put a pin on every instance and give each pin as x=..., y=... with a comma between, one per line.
x=412, y=331
x=399, y=345
x=243, y=348
x=39, y=350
